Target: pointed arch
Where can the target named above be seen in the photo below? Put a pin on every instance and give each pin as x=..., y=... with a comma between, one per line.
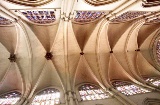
x=128, y=88
x=89, y=91
x=49, y=96
x=10, y=98
x=153, y=80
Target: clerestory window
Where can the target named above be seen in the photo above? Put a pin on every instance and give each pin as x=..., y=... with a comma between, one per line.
x=40, y=16
x=91, y=92
x=10, y=98
x=4, y=21
x=49, y=96
x=153, y=80
x=128, y=88
x=88, y=16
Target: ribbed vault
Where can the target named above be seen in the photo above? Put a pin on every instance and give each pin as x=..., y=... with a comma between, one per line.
x=65, y=54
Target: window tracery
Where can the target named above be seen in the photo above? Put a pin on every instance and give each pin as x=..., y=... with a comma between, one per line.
x=39, y=16
x=49, y=96
x=158, y=50
x=4, y=21
x=128, y=88
x=88, y=16
x=154, y=80
x=127, y=16
x=91, y=92
x=10, y=98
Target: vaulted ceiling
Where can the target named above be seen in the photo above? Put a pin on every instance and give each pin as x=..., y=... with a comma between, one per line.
x=71, y=48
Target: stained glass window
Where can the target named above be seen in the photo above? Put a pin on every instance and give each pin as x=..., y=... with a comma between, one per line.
x=49, y=96
x=39, y=16
x=154, y=80
x=127, y=88
x=9, y=98
x=4, y=21
x=127, y=16
x=87, y=16
x=91, y=92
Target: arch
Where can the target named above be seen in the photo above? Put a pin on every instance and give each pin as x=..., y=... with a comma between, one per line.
x=128, y=88
x=151, y=101
x=155, y=48
x=158, y=50
x=99, y=2
x=30, y=2
x=89, y=91
x=10, y=98
x=88, y=16
x=128, y=16
x=40, y=17
x=4, y=21
x=150, y=3
x=153, y=80
x=48, y=96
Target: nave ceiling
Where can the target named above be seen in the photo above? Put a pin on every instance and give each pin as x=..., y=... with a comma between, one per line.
x=117, y=43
